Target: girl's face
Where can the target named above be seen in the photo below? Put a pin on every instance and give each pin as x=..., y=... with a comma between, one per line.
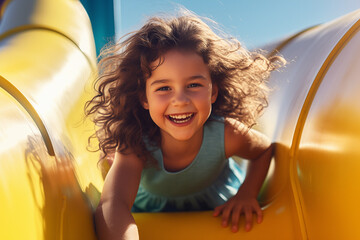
x=179, y=95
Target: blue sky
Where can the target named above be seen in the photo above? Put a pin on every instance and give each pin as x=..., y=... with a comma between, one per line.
x=253, y=22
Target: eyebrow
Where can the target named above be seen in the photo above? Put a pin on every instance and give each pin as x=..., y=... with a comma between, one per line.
x=159, y=81
x=197, y=77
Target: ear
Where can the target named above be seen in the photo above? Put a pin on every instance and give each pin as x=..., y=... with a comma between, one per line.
x=214, y=94
x=145, y=105
x=144, y=102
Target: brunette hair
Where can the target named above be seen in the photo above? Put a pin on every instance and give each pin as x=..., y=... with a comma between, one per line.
x=122, y=122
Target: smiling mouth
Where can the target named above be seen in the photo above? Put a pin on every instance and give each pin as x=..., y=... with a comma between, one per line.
x=180, y=118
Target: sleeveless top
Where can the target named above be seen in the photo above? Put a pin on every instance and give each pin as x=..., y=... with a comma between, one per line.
x=210, y=180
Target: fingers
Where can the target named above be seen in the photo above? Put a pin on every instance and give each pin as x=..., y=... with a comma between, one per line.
x=259, y=214
x=218, y=210
x=248, y=219
x=248, y=212
x=233, y=212
x=226, y=212
x=235, y=216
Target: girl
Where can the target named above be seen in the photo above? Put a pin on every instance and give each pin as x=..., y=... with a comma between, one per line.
x=174, y=102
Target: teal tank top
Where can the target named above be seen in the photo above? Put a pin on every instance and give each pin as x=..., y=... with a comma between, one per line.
x=210, y=180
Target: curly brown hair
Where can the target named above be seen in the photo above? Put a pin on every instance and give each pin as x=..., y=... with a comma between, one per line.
x=122, y=122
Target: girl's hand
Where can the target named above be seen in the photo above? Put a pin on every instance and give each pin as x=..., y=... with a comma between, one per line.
x=234, y=207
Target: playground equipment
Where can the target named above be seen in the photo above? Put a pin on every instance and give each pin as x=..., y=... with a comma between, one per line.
x=50, y=183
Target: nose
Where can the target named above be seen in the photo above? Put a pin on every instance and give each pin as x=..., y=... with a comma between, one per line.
x=180, y=99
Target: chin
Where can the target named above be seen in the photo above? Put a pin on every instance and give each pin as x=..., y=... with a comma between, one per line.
x=182, y=137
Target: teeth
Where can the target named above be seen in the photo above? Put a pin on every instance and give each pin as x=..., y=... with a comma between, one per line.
x=182, y=116
x=180, y=121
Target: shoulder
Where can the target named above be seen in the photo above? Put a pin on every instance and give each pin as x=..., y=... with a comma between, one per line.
x=242, y=141
x=128, y=159
x=126, y=163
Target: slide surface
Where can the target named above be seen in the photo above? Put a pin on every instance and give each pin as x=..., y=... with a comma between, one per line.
x=50, y=183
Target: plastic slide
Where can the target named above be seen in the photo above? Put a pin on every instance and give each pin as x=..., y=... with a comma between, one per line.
x=46, y=58
x=50, y=183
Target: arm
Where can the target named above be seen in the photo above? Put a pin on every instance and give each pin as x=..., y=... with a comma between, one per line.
x=113, y=217
x=255, y=147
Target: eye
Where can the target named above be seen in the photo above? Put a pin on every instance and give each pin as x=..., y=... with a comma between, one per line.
x=194, y=85
x=163, y=89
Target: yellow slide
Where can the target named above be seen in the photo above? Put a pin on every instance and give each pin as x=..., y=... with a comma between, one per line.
x=50, y=183
x=46, y=58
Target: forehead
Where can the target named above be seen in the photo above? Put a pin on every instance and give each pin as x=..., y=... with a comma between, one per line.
x=179, y=60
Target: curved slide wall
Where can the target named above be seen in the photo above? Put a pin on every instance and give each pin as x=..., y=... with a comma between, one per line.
x=49, y=182
x=46, y=58
x=314, y=115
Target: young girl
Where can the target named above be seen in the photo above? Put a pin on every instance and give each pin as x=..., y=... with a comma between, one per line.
x=174, y=102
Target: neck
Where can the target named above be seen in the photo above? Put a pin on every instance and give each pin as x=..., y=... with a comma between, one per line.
x=178, y=149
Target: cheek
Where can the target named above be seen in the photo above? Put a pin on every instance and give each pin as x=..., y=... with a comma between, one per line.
x=155, y=99
x=157, y=103
x=204, y=98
